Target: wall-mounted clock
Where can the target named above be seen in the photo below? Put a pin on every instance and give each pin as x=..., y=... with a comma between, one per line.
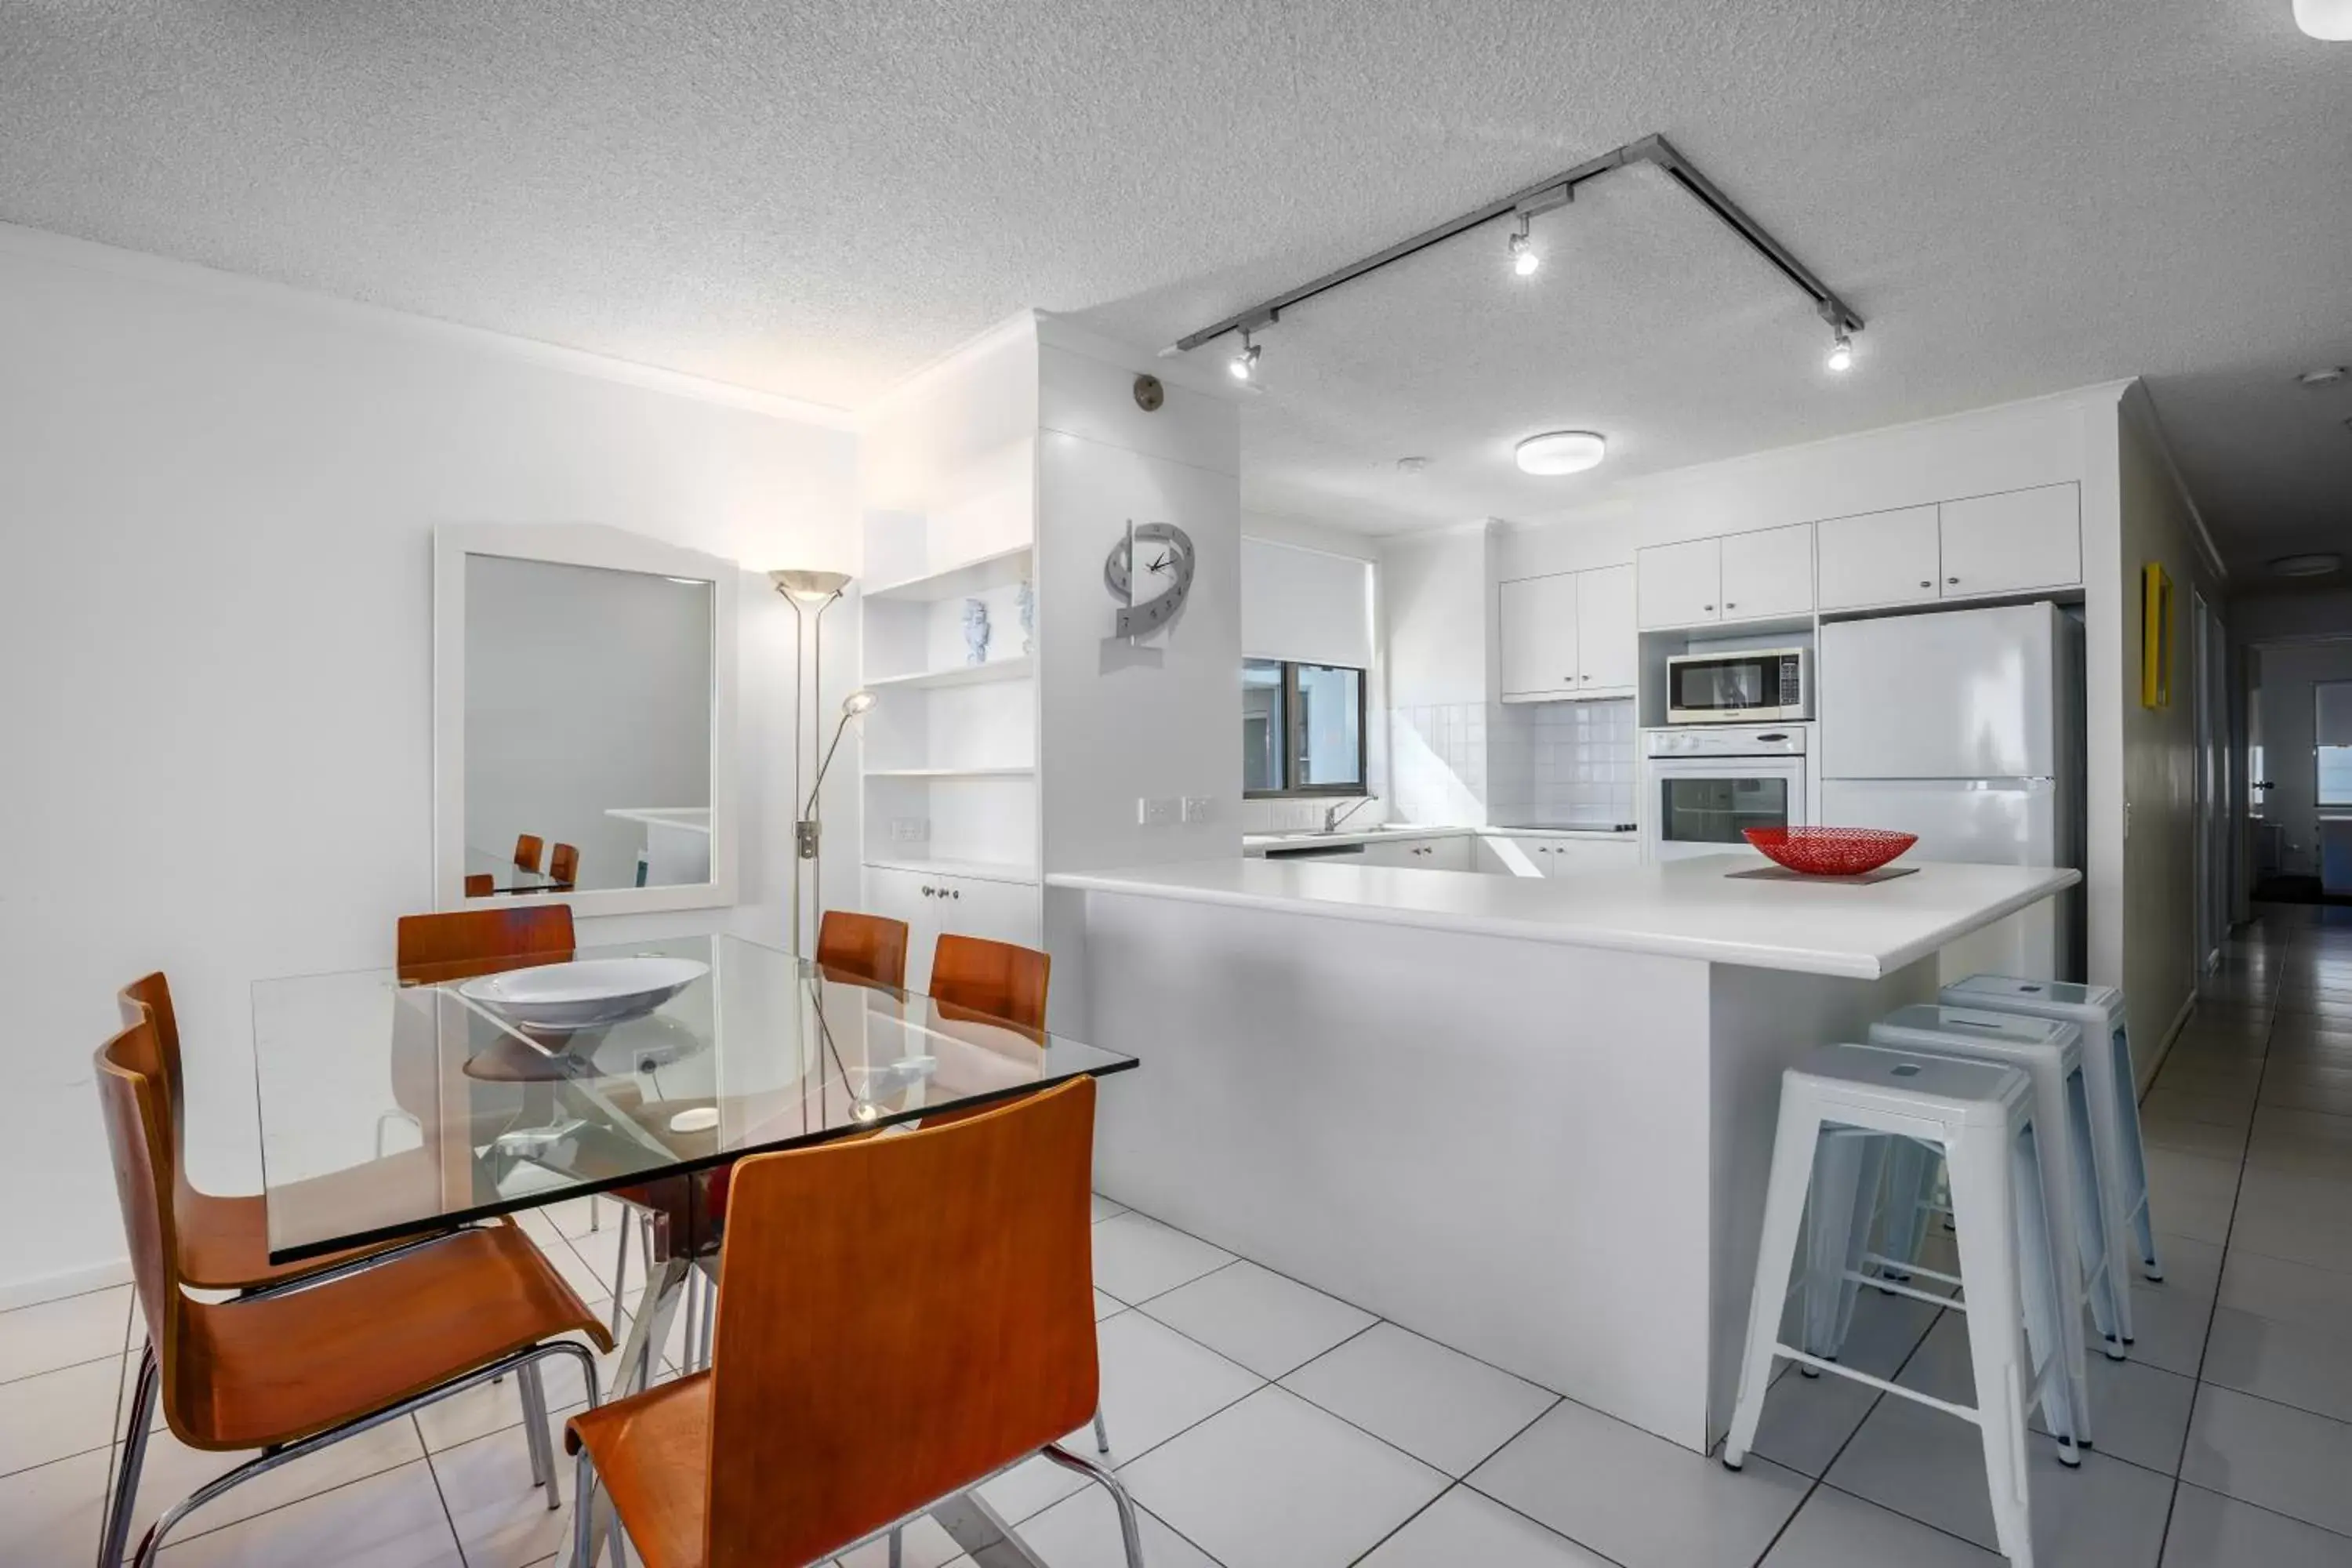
x=1166, y=571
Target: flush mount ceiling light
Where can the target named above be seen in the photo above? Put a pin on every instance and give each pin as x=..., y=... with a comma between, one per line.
x=2326, y=375
x=1243, y=365
x=2327, y=19
x=1411, y=465
x=1841, y=355
x=1561, y=452
x=2319, y=563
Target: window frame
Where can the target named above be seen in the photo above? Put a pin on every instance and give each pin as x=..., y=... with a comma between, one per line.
x=1294, y=750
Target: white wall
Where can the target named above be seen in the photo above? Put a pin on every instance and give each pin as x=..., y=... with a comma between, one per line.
x=1160, y=719
x=214, y=636
x=586, y=690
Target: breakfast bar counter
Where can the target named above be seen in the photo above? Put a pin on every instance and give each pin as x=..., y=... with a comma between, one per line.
x=1531, y=1119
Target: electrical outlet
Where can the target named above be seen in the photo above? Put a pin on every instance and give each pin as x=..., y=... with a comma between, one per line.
x=1196, y=807
x=1155, y=811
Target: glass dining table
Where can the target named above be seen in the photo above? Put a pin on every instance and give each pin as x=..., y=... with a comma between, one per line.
x=396, y=1104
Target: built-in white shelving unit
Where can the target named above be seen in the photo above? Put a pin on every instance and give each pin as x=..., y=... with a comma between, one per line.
x=996, y=569
x=945, y=774
x=1020, y=666
x=977, y=870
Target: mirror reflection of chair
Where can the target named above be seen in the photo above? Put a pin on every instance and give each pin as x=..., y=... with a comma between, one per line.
x=823, y=1422
x=564, y=865
x=288, y=1371
x=480, y=885
x=527, y=851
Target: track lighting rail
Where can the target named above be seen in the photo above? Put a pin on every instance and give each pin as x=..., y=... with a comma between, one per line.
x=1545, y=193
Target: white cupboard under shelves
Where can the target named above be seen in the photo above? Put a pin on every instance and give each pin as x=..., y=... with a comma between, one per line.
x=1565, y=636
x=932, y=904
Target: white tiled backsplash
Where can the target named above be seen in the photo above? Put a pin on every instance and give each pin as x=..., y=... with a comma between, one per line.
x=1563, y=762
x=1438, y=762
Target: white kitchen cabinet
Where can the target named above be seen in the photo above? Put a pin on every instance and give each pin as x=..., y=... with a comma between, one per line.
x=1450, y=852
x=1530, y=856
x=1680, y=585
x=1607, y=651
x=969, y=906
x=2009, y=542
x=1767, y=573
x=1538, y=632
x=1572, y=855
x=1568, y=634
x=1879, y=558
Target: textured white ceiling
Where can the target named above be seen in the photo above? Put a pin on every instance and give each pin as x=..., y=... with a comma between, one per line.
x=816, y=198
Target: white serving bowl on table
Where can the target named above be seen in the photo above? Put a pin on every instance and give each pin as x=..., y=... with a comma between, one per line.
x=585, y=993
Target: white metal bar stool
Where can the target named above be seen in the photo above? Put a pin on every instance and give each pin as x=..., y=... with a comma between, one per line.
x=2050, y=1053
x=1979, y=1116
x=2098, y=1011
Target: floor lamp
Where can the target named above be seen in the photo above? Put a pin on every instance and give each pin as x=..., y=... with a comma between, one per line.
x=812, y=591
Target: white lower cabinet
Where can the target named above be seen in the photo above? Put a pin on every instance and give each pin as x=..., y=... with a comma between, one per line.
x=1450, y=852
x=1546, y=857
x=968, y=906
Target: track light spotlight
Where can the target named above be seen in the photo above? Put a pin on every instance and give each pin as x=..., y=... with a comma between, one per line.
x=1244, y=365
x=1524, y=259
x=1841, y=353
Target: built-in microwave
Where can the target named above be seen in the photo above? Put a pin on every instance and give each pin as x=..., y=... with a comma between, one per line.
x=1769, y=685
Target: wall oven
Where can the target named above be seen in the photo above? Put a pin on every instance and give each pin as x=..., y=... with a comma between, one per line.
x=1743, y=688
x=1704, y=786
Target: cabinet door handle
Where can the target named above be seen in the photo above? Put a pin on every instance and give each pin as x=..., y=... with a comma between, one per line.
x=1584, y=678
x=957, y=893
x=928, y=891
x=1927, y=583
x=1707, y=607
x=1729, y=605
x=1953, y=581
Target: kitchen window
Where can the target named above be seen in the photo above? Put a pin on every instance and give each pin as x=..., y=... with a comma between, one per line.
x=1302, y=728
x=2331, y=702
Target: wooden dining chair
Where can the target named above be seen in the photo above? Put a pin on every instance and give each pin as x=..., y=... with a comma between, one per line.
x=455, y=942
x=898, y=1319
x=291, y=1371
x=224, y=1241
x=995, y=979
x=480, y=885
x=563, y=865
x=854, y=946
x=527, y=849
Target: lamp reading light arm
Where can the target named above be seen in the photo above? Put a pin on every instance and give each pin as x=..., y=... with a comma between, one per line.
x=824, y=767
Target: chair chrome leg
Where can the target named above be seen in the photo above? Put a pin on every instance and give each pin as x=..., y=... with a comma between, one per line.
x=115, y=1532
x=1102, y=1433
x=534, y=1422
x=709, y=1316
x=1130, y=1527
x=691, y=1338
x=583, y=1513
x=620, y=1268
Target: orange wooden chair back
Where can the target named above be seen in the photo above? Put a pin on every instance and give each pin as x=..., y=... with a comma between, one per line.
x=456, y=942
x=149, y=998
x=527, y=848
x=898, y=1317
x=564, y=864
x=480, y=885
x=994, y=979
x=132, y=1069
x=856, y=946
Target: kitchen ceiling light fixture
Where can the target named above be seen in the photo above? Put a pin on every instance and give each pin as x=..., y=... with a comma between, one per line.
x=1411, y=465
x=1524, y=259
x=1561, y=452
x=2330, y=20
x=2318, y=563
x=1841, y=355
x=2326, y=375
x=1244, y=364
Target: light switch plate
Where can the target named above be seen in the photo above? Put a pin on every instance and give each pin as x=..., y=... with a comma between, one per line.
x=1197, y=807
x=1155, y=811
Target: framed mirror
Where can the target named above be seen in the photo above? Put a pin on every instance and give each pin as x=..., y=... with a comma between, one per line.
x=584, y=716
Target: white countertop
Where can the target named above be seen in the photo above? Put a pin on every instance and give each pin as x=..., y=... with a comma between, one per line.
x=1296, y=839
x=1685, y=908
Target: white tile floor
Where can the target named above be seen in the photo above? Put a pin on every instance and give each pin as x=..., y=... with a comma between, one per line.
x=1262, y=1423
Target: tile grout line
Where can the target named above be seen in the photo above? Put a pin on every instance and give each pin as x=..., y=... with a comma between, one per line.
x=432, y=1473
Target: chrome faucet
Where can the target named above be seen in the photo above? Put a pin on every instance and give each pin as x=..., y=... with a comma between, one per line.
x=1333, y=815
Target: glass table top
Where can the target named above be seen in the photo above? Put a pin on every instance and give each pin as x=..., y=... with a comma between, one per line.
x=393, y=1103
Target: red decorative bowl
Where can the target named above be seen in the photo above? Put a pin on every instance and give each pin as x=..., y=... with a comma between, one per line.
x=1831, y=851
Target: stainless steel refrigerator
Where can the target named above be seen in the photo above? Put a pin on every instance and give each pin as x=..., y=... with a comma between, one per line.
x=1966, y=728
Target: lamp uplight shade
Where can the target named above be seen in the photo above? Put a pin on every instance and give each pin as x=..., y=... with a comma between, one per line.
x=810, y=587
x=857, y=702
x=1561, y=452
x=2328, y=20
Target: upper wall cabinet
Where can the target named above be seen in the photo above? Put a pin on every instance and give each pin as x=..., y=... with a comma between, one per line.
x=2009, y=542
x=1879, y=558
x=1568, y=636
x=2016, y=541
x=1737, y=577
